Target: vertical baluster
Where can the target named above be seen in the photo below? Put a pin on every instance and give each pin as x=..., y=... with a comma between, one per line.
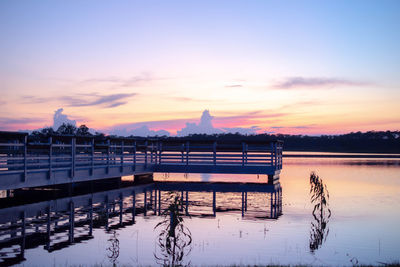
x=145, y=153
x=92, y=156
x=108, y=155
x=151, y=198
x=160, y=152
x=272, y=154
x=134, y=155
x=151, y=152
x=243, y=152
x=25, y=158
x=50, y=157
x=73, y=147
x=155, y=148
x=215, y=153
x=187, y=153
x=122, y=156
x=183, y=152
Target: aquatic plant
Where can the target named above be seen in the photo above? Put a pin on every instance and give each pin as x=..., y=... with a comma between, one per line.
x=113, y=248
x=321, y=212
x=174, y=240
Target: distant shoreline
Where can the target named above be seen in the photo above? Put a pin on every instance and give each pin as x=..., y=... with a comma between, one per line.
x=324, y=154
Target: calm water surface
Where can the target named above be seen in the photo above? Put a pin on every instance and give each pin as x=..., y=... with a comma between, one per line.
x=363, y=227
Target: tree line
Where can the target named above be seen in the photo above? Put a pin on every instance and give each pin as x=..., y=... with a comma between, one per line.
x=371, y=141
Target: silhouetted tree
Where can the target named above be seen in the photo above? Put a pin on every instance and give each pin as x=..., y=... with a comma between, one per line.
x=99, y=135
x=47, y=131
x=83, y=130
x=67, y=129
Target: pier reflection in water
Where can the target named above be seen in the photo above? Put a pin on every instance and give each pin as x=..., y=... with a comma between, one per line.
x=59, y=223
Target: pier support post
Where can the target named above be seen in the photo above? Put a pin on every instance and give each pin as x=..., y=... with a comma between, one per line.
x=145, y=178
x=242, y=204
x=145, y=203
x=71, y=221
x=121, y=207
x=155, y=202
x=159, y=202
x=181, y=207
x=48, y=228
x=187, y=203
x=91, y=216
x=23, y=228
x=271, y=206
x=245, y=201
x=70, y=189
x=133, y=206
x=214, y=204
x=107, y=212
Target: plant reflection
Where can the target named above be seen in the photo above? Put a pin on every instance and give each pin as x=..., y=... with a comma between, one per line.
x=113, y=249
x=174, y=240
x=321, y=212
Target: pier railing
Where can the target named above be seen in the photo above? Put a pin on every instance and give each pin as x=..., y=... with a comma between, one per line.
x=214, y=153
x=91, y=157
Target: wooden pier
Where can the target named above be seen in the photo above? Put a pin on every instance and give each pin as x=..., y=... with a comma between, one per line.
x=27, y=161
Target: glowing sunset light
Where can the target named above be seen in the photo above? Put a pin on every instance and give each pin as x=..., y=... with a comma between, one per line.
x=263, y=66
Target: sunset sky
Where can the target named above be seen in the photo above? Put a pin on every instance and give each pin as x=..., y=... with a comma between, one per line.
x=304, y=67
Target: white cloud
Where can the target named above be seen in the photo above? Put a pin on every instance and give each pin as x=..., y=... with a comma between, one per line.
x=205, y=126
x=60, y=118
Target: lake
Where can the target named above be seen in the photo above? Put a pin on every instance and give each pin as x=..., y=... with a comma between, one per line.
x=251, y=224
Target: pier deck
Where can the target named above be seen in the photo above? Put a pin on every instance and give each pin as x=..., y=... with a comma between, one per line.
x=60, y=159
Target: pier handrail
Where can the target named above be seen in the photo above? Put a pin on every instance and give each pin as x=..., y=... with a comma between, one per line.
x=22, y=154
